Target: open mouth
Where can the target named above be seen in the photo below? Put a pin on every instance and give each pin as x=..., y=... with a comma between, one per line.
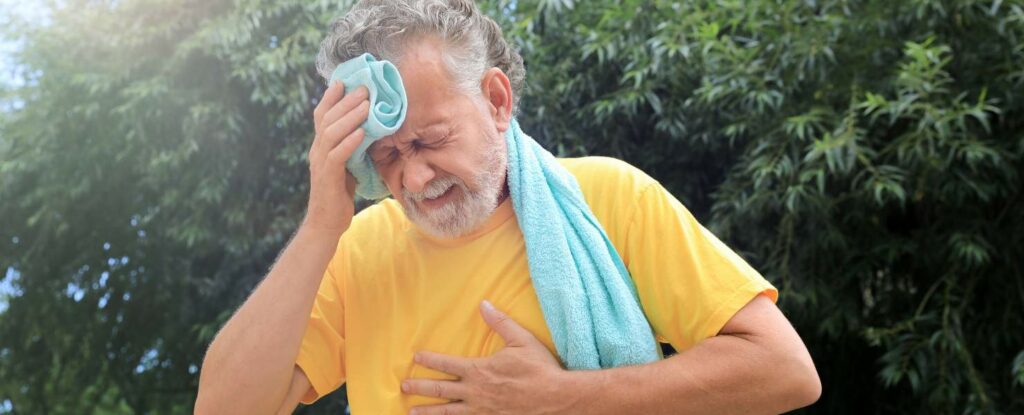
x=440, y=200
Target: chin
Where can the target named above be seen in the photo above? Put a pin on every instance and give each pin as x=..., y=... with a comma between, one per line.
x=456, y=218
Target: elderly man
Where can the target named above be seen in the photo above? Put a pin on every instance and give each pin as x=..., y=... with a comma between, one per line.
x=424, y=303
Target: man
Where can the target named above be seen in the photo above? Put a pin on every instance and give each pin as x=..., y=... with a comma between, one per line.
x=392, y=307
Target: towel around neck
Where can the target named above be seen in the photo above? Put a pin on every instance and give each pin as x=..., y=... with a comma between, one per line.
x=587, y=297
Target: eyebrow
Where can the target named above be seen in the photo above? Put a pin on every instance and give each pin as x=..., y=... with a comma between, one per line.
x=440, y=121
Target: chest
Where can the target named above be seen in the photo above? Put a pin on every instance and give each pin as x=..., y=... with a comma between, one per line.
x=427, y=298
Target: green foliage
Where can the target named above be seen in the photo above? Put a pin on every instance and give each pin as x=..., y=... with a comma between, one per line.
x=866, y=156
x=151, y=178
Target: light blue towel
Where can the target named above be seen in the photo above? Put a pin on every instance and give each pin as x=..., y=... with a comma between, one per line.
x=589, y=301
x=388, y=105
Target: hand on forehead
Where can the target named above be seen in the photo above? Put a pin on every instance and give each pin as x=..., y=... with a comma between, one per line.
x=428, y=85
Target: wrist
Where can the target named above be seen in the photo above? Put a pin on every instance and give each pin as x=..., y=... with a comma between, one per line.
x=581, y=390
x=316, y=241
x=319, y=231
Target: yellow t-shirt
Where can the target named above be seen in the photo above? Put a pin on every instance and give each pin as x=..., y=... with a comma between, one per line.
x=391, y=290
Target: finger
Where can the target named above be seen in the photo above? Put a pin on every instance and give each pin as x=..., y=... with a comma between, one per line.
x=341, y=128
x=340, y=154
x=446, y=389
x=346, y=105
x=508, y=329
x=454, y=408
x=331, y=96
x=451, y=365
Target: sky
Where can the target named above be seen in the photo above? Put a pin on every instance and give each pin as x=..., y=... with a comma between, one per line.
x=26, y=9
x=9, y=77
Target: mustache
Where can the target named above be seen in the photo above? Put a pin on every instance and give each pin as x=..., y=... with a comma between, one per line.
x=435, y=188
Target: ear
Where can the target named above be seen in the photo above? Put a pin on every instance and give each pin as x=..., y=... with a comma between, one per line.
x=497, y=92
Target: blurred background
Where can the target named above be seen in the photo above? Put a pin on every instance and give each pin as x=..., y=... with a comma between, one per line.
x=865, y=156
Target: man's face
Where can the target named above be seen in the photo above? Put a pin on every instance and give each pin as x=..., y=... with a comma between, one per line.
x=446, y=164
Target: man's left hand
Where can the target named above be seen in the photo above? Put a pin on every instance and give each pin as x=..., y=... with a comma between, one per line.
x=522, y=378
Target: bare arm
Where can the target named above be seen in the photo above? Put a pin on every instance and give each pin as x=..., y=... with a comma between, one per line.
x=757, y=364
x=299, y=385
x=250, y=365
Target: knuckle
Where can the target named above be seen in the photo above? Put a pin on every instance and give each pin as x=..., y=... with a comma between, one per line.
x=438, y=389
x=329, y=130
x=335, y=155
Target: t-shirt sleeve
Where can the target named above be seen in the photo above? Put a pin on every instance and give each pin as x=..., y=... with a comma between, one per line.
x=321, y=355
x=689, y=283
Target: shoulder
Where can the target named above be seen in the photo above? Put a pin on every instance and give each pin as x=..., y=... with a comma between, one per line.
x=603, y=177
x=383, y=216
x=378, y=226
x=376, y=229
x=612, y=188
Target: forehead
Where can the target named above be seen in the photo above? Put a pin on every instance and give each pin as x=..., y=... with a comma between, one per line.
x=428, y=86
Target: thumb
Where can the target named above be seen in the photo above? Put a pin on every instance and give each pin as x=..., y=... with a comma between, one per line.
x=514, y=334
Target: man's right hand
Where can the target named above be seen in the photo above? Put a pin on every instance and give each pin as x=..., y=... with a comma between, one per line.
x=250, y=365
x=337, y=120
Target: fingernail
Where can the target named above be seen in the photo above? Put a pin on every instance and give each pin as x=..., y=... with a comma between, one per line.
x=487, y=305
x=405, y=387
x=416, y=358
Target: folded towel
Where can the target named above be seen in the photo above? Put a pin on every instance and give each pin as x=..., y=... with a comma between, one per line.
x=589, y=301
x=388, y=104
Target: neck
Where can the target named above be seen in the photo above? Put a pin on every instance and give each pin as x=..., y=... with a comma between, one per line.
x=504, y=192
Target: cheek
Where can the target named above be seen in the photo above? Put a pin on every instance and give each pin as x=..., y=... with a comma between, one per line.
x=458, y=163
x=472, y=158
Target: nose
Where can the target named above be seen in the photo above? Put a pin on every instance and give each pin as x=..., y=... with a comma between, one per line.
x=416, y=173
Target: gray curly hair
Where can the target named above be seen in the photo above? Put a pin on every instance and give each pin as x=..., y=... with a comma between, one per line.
x=384, y=27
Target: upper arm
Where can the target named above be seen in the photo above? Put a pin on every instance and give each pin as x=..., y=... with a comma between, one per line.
x=762, y=324
x=760, y=318
x=689, y=282
x=297, y=388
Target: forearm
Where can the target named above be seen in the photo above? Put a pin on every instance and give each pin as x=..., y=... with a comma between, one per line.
x=253, y=356
x=720, y=375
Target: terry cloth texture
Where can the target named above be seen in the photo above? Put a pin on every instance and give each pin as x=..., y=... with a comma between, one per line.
x=589, y=302
x=388, y=105
x=423, y=291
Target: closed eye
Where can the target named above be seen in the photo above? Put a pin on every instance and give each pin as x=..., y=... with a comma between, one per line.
x=433, y=143
x=384, y=155
x=427, y=144
x=388, y=154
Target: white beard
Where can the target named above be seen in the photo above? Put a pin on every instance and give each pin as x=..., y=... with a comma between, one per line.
x=461, y=216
